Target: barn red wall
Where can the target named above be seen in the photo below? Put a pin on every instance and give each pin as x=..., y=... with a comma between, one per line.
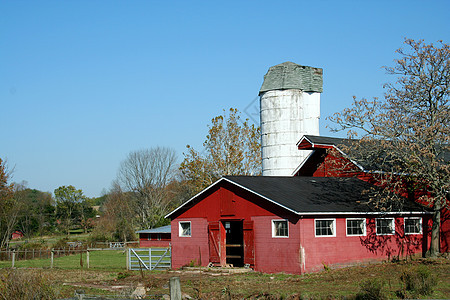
x=276, y=254
x=190, y=249
x=445, y=231
x=345, y=250
x=144, y=242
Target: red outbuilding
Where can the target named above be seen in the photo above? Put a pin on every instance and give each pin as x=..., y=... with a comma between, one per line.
x=155, y=238
x=291, y=224
x=17, y=235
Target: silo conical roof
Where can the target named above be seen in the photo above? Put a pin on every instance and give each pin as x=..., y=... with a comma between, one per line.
x=289, y=75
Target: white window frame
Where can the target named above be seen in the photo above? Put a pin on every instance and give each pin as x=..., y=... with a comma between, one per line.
x=274, y=231
x=354, y=219
x=413, y=218
x=180, y=229
x=333, y=228
x=393, y=226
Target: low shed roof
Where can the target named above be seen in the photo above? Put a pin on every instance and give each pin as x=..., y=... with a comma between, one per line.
x=163, y=229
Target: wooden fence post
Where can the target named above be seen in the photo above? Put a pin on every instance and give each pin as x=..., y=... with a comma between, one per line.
x=51, y=260
x=87, y=259
x=13, y=259
x=175, y=288
x=128, y=258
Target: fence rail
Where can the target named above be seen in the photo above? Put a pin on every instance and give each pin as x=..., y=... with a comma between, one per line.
x=7, y=254
x=149, y=258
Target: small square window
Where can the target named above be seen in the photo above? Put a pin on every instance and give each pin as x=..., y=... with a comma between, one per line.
x=356, y=227
x=413, y=225
x=325, y=227
x=280, y=228
x=385, y=226
x=185, y=229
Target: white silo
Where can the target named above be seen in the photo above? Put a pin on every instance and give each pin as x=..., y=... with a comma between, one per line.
x=290, y=108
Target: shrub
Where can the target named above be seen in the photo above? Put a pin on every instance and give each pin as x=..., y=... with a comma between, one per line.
x=122, y=275
x=61, y=243
x=418, y=281
x=19, y=285
x=34, y=245
x=371, y=289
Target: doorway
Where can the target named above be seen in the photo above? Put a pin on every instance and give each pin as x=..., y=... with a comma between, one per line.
x=234, y=242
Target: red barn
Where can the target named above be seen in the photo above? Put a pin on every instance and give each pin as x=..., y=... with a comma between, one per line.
x=155, y=238
x=291, y=224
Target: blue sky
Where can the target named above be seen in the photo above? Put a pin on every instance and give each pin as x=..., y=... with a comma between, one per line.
x=83, y=83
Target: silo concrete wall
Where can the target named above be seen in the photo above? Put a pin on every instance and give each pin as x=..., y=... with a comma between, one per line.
x=286, y=115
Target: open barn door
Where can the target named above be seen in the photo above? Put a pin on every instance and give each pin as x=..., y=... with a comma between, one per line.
x=249, y=244
x=214, y=242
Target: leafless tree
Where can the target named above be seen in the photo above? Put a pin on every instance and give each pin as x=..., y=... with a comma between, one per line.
x=146, y=174
x=408, y=131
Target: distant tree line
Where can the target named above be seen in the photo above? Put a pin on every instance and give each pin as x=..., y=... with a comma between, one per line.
x=37, y=213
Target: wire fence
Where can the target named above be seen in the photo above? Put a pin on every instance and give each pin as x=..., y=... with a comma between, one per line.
x=65, y=258
x=25, y=254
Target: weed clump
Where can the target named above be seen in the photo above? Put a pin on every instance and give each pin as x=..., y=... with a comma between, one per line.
x=418, y=281
x=122, y=275
x=16, y=284
x=371, y=289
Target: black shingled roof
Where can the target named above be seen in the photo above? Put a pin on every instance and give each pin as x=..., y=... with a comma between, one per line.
x=306, y=195
x=367, y=165
x=326, y=140
x=313, y=194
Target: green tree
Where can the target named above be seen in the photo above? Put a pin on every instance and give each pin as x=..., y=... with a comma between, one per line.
x=37, y=214
x=68, y=206
x=408, y=130
x=232, y=147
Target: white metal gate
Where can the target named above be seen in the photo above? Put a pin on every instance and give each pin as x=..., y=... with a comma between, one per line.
x=149, y=258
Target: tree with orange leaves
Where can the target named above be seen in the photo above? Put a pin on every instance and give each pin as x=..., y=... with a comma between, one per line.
x=232, y=147
x=8, y=211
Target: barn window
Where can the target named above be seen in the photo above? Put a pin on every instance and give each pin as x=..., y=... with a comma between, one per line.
x=185, y=229
x=325, y=227
x=149, y=236
x=280, y=228
x=356, y=227
x=413, y=225
x=385, y=226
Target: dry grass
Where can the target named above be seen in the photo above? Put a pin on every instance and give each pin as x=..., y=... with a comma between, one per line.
x=213, y=285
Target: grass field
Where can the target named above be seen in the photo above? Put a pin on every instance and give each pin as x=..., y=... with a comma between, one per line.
x=101, y=259
x=108, y=275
